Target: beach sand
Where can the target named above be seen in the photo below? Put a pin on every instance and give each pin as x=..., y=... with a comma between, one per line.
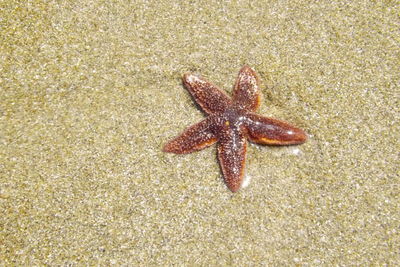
x=90, y=92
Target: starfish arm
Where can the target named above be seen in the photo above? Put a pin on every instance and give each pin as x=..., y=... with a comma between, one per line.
x=194, y=138
x=246, y=91
x=232, y=158
x=268, y=131
x=210, y=98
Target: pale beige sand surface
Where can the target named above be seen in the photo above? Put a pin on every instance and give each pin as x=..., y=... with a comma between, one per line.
x=90, y=91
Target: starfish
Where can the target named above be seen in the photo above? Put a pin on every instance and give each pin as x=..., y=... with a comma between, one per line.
x=230, y=122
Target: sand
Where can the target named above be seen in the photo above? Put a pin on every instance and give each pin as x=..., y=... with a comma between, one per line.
x=90, y=92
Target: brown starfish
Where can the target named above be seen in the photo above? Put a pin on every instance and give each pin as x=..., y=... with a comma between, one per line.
x=231, y=122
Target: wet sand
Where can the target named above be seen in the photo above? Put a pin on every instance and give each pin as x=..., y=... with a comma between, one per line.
x=89, y=93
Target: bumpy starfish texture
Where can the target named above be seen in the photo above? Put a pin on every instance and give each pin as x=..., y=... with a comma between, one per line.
x=230, y=122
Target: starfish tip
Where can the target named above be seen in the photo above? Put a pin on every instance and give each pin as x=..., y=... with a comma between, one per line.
x=300, y=136
x=169, y=148
x=246, y=67
x=234, y=187
x=189, y=77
